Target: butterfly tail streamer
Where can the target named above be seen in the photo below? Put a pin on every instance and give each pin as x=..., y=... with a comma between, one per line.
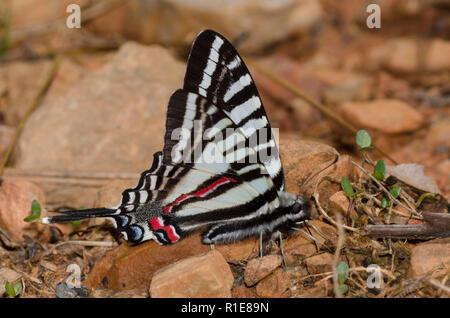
x=68, y=216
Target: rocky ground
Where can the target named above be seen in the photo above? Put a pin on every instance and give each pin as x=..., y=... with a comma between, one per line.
x=92, y=101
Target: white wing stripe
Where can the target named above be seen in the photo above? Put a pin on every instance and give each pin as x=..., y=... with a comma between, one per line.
x=237, y=86
x=243, y=110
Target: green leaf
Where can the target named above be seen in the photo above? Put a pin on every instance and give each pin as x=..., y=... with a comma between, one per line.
x=384, y=203
x=10, y=290
x=347, y=187
x=342, y=272
x=18, y=288
x=380, y=170
x=395, y=192
x=363, y=139
x=35, y=212
x=75, y=223
x=343, y=288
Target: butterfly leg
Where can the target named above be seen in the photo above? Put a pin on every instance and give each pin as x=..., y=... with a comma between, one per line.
x=281, y=249
x=260, y=244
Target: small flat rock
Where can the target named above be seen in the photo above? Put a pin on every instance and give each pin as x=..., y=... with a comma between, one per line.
x=401, y=55
x=15, y=205
x=319, y=263
x=389, y=116
x=258, y=268
x=339, y=202
x=132, y=267
x=428, y=256
x=273, y=286
x=200, y=276
x=297, y=245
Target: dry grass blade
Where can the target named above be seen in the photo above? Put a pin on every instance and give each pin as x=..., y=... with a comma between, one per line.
x=30, y=110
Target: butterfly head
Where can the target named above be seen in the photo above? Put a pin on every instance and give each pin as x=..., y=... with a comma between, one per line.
x=297, y=209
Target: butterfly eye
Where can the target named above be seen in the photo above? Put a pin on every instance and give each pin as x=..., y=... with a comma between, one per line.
x=296, y=208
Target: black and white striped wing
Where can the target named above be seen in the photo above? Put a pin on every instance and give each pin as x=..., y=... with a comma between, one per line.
x=217, y=72
x=210, y=172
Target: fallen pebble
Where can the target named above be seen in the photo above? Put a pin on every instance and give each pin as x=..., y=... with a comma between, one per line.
x=388, y=116
x=427, y=257
x=319, y=263
x=201, y=276
x=339, y=202
x=273, y=286
x=258, y=268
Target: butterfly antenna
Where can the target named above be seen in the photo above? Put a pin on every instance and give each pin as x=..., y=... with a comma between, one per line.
x=68, y=216
x=315, y=244
x=307, y=234
x=317, y=230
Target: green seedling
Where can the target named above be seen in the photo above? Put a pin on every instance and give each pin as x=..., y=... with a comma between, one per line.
x=35, y=212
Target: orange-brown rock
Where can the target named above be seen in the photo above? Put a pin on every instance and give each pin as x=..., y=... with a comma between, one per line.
x=339, y=203
x=199, y=276
x=402, y=55
x=117, y=120
x=297, y=245
x=385, y=115
x=15, y=205
x=132, y=267
x=427, y=257
x=242, y=292
x=239, y=251
x=274, y=286
x=258, y=268
x=302, y=161
x=319, y=263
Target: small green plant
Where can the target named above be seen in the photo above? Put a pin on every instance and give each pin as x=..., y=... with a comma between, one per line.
x=75, y=224
x=363, y=140
x=13, y=290
x=395, y=191
x=342, y=272
x=347, y=187
x=35, y=212
x=380, y=170
x=385, y=203
x=424, y=196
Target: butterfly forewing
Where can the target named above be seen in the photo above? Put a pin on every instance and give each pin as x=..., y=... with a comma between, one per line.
x=217, y=72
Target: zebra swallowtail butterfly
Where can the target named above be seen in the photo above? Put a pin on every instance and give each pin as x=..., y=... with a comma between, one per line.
x=240, y=193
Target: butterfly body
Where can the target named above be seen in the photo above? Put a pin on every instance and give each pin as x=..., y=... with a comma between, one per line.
x=219, y=170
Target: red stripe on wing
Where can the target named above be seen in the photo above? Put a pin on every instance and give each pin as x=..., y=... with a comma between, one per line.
x=202, y=192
